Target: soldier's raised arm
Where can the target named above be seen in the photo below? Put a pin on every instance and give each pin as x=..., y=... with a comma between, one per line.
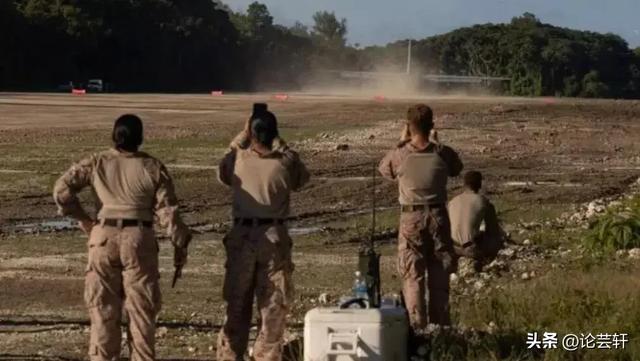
x=69, y=185
x=451, y=157
x=388, y=165
x=298, y=170
x=166, y=209
x=226, y=168
x=243, y=139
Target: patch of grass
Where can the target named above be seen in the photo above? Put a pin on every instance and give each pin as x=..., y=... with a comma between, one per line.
x=451, y=345
x=550, y=237
x=26, y=183
x=46, y=244
x=510, y=210
x=604, y=299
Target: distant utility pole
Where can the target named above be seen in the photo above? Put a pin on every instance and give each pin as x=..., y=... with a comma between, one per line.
x=409, y=58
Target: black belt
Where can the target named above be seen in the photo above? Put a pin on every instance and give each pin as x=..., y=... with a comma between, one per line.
x=420, y=207
x=125, y=223
x=467, y=245
x=257, y=221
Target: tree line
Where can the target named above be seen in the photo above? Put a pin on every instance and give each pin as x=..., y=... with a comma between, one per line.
x=200, y=45
x=540, y=59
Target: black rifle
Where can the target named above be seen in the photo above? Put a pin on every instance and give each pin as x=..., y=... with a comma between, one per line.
x=176, y=275
x=368, y=259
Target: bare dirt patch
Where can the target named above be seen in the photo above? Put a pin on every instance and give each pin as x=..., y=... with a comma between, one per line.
x=539, y=159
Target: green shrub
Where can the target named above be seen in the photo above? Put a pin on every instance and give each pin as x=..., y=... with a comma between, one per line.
x=593, y=86
x=619, y=228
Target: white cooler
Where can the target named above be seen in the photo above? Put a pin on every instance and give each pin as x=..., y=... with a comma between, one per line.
x=375, y=334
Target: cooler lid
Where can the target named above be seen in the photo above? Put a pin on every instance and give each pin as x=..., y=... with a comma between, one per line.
x=356, y=315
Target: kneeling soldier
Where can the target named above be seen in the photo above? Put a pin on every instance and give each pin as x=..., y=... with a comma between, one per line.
x=468, y=212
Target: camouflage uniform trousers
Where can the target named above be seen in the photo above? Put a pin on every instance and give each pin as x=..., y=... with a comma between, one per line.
x=423, y=237
x=122, y=271
x=482, y=247
x=258, y=265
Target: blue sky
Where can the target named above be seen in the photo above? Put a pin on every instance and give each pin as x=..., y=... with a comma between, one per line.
x=382, y=21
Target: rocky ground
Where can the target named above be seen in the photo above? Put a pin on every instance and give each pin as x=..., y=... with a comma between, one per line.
x=551, y=166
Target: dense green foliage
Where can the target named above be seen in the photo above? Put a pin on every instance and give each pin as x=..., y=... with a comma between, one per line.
x=540, y=59
x=180, y=45
x=618, y=229
x=139, y=44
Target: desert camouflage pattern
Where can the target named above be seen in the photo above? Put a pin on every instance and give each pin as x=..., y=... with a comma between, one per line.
x=122, y=271
x=262, y=184
x=421, y=173
x=122, y=276
x=258, y=264
x=424, y=240
x=243, y=141
x=258, y=256
x=469, y=211
x=418, y=234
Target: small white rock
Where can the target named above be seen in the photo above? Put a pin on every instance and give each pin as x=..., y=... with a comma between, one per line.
x=634, y=253
x=525, y=276
x=323, y=298
x=507, y=252
x=621, y=253
x=162, y=332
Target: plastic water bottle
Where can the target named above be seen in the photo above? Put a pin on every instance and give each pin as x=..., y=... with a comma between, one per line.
x=360, y=287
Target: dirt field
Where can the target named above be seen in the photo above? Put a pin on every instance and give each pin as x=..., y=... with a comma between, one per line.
x=540, y=158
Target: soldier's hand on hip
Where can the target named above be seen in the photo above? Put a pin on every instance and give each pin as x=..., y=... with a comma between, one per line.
x=86, y=225
x=180, y=256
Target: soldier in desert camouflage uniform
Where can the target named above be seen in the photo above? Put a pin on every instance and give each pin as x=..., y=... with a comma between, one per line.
x=421, y=166
x=261, y=171
x=122, y=271
x=468, y=212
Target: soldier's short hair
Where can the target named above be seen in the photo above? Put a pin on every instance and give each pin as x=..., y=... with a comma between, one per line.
x=264, y=127
x=473, y=180
x=127, y=133
x=420, y=118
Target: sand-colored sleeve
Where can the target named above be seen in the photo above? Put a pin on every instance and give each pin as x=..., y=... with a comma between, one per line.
x=226, y=167
x=166, y=209
x=451, y=157
x=240, y=141
x=299, y=174
x=70, y=184
x=388, y=166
